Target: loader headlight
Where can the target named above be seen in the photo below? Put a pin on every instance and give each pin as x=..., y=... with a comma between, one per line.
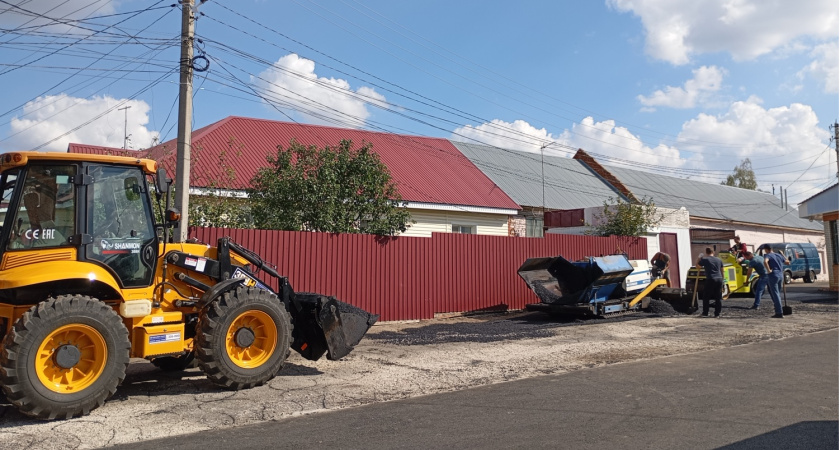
x=92, y=276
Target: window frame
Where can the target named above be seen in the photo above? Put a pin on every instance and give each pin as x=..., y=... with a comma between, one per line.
x=472, y=229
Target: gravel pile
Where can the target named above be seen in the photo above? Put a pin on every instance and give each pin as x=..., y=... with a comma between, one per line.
x=661, y=307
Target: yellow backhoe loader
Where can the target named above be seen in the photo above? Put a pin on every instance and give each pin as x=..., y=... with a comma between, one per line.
x=89, y=279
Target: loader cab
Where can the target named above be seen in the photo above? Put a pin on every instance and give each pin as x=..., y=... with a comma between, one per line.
x=98, y=211
x=118, y=216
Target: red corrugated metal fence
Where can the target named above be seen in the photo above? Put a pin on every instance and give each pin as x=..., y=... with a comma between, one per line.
x=408, y=278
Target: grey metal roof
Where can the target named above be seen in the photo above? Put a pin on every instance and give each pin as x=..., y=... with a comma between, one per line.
x=714, y=201
x=569, y=184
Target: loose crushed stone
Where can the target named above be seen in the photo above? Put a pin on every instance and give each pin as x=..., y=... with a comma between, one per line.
x=661, y=307
x=402, y=360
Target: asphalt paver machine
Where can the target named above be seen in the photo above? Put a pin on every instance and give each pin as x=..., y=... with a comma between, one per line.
x=594, y=286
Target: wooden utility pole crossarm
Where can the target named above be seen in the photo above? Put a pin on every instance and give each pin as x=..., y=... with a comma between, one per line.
x=184, y=145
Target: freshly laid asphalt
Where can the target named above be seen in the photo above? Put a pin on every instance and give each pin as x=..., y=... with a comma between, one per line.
x=773, y=394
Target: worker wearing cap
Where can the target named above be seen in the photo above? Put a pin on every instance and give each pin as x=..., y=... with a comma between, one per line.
x=776, y=276
x=759, y=264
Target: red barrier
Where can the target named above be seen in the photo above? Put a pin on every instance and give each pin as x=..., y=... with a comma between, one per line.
x=407, y=278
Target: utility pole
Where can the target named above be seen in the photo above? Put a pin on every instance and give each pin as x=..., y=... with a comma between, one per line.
x=125, y=125
x=837, y=146
x=182, y=171
x=542, y=170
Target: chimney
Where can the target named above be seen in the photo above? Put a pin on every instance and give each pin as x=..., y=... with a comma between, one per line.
x=602, y=172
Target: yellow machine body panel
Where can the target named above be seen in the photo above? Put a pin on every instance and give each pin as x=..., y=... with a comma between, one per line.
x=19, y=159
x=734, y=276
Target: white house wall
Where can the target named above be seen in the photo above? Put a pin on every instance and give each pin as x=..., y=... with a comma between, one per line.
x=673, y=221
x=429, y=222
x=683, y=246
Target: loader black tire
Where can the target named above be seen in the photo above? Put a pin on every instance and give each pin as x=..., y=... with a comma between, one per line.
x=175, y=363
x=243, y=338
x=64, y=357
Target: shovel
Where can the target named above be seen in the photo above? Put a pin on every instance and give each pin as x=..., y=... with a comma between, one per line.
x=786, y=310
x=693, y=307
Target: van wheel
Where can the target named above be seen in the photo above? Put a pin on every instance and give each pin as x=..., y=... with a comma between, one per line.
x=810, y=277
x=788, y=277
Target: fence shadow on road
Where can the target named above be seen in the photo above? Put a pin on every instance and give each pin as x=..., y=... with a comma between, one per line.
x=813, y=435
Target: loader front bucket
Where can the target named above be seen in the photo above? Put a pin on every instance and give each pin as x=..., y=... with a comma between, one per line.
x=326, y=325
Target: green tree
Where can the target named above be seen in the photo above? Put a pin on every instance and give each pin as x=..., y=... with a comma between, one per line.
x=219, y=205
x=336, y=189
x=742, y=177
x=622, y=218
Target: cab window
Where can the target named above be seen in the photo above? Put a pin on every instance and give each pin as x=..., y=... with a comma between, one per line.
x=45, y=216
x=118, y=221
x=7, y=184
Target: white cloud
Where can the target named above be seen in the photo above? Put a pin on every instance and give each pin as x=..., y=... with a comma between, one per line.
x=824, y=67
x=516, y=135
x=292, y=84
x=785, y=140
x=677, y=29
x=49, y=117
x=602, y=138
x=707, y=79
x=782, y=143
x=617, y=145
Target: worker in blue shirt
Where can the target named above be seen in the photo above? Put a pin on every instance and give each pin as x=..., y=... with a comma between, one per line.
x=776, y=275
x=759, y=265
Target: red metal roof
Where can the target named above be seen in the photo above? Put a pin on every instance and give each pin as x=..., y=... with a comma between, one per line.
x=97, y=150
x=428, y=170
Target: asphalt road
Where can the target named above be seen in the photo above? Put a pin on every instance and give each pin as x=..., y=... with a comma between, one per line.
x=771, y=394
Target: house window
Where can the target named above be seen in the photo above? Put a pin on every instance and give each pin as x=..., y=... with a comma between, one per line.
x=832, y=226
x=463, y=229
x=534, y=226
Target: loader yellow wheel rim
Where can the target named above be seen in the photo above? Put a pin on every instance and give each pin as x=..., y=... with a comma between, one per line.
x=88, y=355
x=251, y=339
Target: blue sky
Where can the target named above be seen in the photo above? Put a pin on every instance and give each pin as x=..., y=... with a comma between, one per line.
x=683, y=88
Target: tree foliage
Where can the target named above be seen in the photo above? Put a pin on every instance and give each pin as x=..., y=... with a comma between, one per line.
x=336, y=189
x=219, y=206
x=622, y=218
x=742, y=176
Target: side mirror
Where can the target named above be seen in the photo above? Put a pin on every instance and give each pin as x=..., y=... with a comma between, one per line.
x=172, y=215
x=162, y=182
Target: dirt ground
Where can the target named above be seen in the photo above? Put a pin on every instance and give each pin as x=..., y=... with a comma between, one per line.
x=400, y=360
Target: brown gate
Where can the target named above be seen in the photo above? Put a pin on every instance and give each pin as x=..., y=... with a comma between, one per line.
x=668, y=244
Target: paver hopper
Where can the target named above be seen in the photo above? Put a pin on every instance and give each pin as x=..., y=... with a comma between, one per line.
x=592, y=286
